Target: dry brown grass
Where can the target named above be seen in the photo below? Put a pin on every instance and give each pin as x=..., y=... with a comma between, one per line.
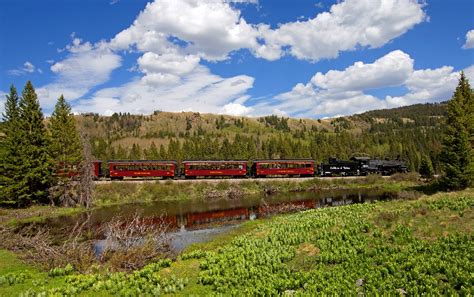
x=307, y=249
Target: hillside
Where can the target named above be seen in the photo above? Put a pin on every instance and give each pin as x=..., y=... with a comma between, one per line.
x=411, y=132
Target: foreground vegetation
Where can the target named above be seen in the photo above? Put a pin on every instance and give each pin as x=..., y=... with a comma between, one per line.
x=398, y=247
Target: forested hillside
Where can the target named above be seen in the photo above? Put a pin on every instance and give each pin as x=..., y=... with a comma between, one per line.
x=411, y=132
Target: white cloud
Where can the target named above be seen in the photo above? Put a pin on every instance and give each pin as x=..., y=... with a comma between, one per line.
x=213, y=29
x=469, y=72
x=3, y=99
x=391, y=70
x=28, y=67
x=427, y=85
x=167, y=63
x=352, y=23
x=236, y=109
x=469, y=40
x=199, y=91
x=85, y=66
x=341, y=92
x=157, y=79
x=210, y=29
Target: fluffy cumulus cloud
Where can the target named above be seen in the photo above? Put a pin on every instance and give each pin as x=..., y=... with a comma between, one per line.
x=236, y=109
x=427, y=85
x=342, y=92
x=199, y=91
x=213, y=29
x=166, y=68
x=390, y=70
x=469, y=40
x=209, y=29
x=85, y=66
x=349, y=24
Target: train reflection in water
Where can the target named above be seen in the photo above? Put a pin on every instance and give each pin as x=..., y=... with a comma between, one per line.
x=265, y=209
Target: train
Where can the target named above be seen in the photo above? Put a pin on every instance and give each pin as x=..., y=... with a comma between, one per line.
x=193, y=169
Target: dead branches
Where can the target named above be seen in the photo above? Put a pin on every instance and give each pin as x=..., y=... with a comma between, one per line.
x=131, y=243
x=121, y=233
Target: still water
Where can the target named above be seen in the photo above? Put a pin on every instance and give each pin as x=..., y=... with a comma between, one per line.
x=196, y=221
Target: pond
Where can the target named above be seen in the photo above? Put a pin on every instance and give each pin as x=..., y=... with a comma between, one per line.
x=195, y=221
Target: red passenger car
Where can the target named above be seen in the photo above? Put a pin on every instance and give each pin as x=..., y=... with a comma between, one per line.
x=142, y=168
x=193, y=169
x=296, y=167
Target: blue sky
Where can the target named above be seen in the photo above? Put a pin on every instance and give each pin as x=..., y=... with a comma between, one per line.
x=247, y=57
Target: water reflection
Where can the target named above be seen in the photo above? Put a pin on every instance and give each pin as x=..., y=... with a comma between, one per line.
x=200, y=214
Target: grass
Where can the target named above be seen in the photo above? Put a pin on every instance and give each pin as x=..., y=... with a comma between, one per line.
x=10, y=264
x=428, y=219
x=129, y=192
x=34, y=214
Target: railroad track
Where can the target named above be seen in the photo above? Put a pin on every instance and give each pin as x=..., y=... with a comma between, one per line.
x=230, y=180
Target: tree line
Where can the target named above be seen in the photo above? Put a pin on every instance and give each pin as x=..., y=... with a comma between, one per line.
x=413, y=144
x=40, y=160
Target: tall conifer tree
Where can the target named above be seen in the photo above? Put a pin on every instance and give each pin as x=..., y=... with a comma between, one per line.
x=457, y=152
x=66, y=153
x=65, y=148
x=12, y=161
x=36, y=167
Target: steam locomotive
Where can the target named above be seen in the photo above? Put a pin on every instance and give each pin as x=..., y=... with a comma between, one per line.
x=358, y=166
x=192, y=169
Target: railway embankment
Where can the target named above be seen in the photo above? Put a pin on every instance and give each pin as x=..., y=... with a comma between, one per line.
x=131, y=191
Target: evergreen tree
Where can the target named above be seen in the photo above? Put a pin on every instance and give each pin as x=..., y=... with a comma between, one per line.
x=121, y=153
x=66, y=153
x=35, y=170
x=135, y=152
x=11, y=162
x=456, y=154
x=65, y=148
x=163, y=153
x=152, y=153
x=426, y=168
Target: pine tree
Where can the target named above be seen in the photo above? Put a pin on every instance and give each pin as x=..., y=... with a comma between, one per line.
x=35, y=169
x=426, y=168
x=456, y=154
x=135, y=152
x=66, y=154
x=152, y=153
x=11, y=162
x=163, y=153
x=121, y=153
x=65, y=148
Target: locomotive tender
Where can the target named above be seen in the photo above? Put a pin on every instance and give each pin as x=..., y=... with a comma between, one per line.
x=191, y=169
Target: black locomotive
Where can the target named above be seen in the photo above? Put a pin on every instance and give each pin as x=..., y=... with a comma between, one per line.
x=358, y=166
